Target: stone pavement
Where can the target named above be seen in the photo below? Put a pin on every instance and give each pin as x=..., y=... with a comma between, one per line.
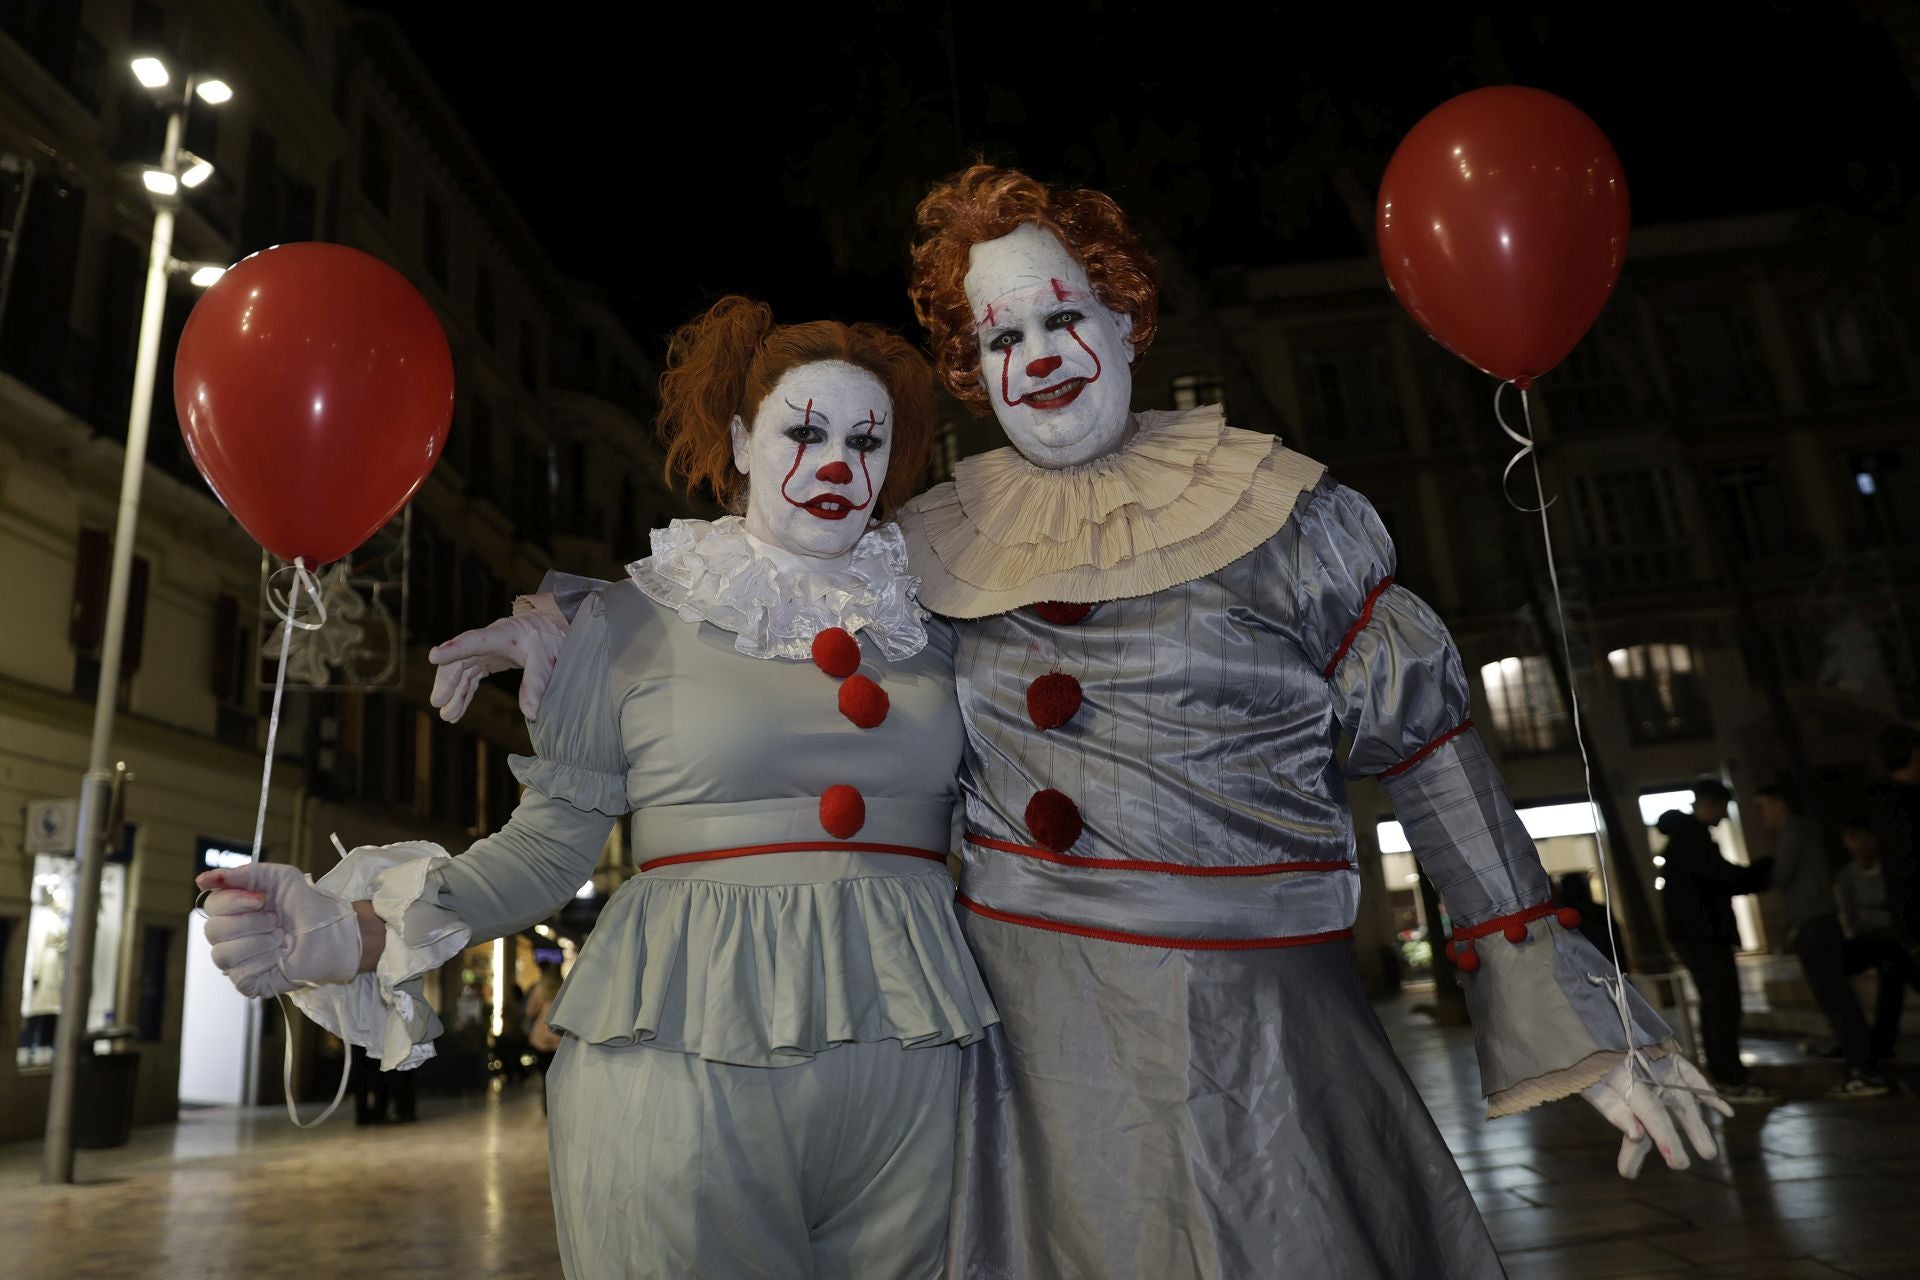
x=1813, y=1188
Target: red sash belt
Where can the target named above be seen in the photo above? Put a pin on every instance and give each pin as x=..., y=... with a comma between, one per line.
x=1153, y=939
x=797, y=846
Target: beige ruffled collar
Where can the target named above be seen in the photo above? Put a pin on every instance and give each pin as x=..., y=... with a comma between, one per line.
x=1185, y=497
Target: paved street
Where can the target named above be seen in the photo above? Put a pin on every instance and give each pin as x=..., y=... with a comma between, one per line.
x=1809, y=1189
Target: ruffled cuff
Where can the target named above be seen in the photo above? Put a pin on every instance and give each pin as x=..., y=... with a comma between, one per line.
x=580, y=787
x=1544, y=1024
x=385, y=1012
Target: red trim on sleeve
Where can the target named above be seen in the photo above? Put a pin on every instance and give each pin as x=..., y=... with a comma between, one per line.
x=1152, y=939
x=1394, y=771
x=1166, y=868
x=1359, y=625
x=1498, y=924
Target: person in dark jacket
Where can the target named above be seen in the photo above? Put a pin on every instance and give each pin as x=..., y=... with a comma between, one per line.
x=1804, y=882
x=1698, y=898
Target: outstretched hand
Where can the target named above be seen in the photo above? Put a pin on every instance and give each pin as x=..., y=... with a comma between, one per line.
x=273, y=931
x=1646, y=1111
x=530, y=641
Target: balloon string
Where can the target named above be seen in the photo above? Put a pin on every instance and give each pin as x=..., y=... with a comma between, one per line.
x=291, y=619
x=302, y=580
x=1637, y=1066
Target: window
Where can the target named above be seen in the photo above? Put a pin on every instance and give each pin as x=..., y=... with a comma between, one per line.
x=946, y=451
x=1459, y=398
x=1719, y=362
x=376, y=165
x=433, y=240
x=86, y=631
x=480, y=449
x=290, y=22
x=1661, y=688
x=1347, y=395
x=1886, y=497
x=1191, y=390
x=231, y=674
x=1590, y=390
x=1632, y=528
x=1853, y=345
x=529, y=357
x=150, y=1008
x=1529, y=716
x=1754, y=509
x=483, y=317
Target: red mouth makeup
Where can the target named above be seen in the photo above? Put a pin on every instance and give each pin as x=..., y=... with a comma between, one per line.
x=829, y=506
x=1056, y=397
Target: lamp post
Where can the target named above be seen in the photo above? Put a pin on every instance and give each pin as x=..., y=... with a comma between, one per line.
x=96, y=785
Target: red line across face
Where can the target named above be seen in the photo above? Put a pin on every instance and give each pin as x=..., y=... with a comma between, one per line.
x=829, y=506
x=1061, y=394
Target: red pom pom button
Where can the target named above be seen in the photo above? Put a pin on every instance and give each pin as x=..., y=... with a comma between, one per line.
x=1054, y=820
x=842, y=811
x=836, y=652
x=1061, y=614
x=863, y=702
x=1450, y=950
x=1468, y=960
x=1052, y=700
x=1516, y=932
x=1569, y=917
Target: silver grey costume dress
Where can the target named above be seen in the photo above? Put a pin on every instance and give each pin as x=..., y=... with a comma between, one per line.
x=1187, y=1080
x=761, y=1060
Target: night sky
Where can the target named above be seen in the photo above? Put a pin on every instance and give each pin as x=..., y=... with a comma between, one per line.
x=781, y=154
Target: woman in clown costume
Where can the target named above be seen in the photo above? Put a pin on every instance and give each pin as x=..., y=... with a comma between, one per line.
x=763, y=1034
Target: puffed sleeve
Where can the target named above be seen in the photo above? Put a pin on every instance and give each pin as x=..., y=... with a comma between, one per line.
x=435, y=905
x=1545, y=1024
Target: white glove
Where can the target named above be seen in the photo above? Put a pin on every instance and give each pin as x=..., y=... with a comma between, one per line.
x=272, y=931
x=1646, y=1112
x=530, y=640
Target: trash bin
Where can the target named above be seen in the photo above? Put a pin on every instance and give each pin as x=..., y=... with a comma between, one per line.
x=103, y=1100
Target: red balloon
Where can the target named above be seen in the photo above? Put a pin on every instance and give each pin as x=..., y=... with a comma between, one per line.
x=1503, y=226
x=315, y=390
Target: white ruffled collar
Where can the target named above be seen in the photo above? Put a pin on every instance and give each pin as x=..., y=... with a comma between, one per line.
x=714, y=572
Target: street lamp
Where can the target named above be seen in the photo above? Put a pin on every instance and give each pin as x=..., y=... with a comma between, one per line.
x=96, y=786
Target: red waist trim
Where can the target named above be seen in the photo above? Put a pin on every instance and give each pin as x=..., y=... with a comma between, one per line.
x=797, y=846
x=1152, y=939
x=1166, y=868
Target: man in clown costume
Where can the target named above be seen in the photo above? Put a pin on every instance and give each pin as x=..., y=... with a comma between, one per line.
x=1165, y=626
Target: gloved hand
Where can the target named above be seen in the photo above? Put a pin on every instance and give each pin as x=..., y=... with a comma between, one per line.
x=1646, y=1112
x=530, y=639
x=273, y=931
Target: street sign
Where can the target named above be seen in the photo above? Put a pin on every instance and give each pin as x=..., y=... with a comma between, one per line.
x=51, y=825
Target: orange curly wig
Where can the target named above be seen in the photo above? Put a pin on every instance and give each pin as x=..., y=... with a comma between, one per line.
x=985, y=203
x=725, y=363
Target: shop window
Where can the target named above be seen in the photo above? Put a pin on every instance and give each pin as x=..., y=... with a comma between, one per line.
x=49, y=930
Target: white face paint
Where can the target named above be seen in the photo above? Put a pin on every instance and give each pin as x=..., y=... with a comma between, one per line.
x=816, y=458
x=1055, y=360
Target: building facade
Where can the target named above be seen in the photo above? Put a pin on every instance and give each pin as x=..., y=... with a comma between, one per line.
x=335, y=132
x=1733, y=457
